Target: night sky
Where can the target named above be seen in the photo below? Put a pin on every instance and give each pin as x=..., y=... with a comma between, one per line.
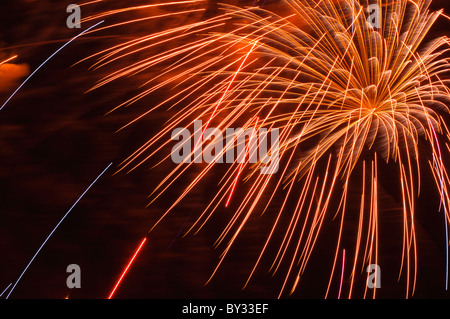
x=55, y=139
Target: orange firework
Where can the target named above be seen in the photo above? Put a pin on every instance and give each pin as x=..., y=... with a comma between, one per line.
x=345, y=94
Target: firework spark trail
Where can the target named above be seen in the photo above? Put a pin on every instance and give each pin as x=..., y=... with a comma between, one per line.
x=5, y=289
x=127, y=267
x=342, y=273
x=360, y=228
x=445, y=221
x=54, y=229
x=446, y=247
x=128, y=9
x=338, y=89
x=8, y=60
x=241, y=166
x=48, y=59
x=442, y=204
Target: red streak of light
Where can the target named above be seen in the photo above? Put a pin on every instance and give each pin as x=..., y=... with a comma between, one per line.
x=342, y=273
x=126, y=269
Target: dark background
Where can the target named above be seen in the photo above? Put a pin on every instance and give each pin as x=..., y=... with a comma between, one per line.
x=55, y=139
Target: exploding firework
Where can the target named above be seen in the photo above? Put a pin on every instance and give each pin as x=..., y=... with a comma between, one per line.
x=347, y=97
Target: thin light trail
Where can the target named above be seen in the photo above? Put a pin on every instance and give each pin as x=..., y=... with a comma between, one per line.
x=342, y=273
x=5, y=289
x=446, y=248
x=54, y=229
x=353, y=16
x=241, y=166
x=8, y=60
x=445, y=221
x=441, y=204
x=126, y=269
x=48, y=59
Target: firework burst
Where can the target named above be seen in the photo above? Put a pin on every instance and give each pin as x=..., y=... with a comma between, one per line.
x=346, y=96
